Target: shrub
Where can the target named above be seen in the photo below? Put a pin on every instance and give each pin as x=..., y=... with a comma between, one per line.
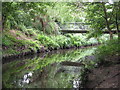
x=111, y=47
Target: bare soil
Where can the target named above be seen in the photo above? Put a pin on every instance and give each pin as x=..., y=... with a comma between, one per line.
x=105, y=76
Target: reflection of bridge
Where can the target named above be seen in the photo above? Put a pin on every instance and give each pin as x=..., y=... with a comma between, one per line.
x=78, y=27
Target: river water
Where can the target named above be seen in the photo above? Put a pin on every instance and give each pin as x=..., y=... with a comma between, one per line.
x=45, y=70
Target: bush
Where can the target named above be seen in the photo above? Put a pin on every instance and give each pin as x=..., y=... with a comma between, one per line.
x=111, y=47
x=47, y=41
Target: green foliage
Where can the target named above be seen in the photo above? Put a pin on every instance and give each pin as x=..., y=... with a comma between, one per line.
x=89, y=64
x=21, y=15
x=34, y=41
x=102, y=16
x=47, y=41
x=6, y=41
x=22, y=27
x=9, y=40
x=92, y=41
x=111, y=47
x=13, y=44
x=61, y=41
x=37, y=64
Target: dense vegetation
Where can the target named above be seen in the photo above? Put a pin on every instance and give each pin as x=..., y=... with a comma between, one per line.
x=32, y=26
x=35, y=27
x=103, y=16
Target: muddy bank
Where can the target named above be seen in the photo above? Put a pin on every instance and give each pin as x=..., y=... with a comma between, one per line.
x=106, y=75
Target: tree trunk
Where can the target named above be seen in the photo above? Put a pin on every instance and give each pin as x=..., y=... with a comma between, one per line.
x=117, y=26
x=116, y=19
x=107, y=22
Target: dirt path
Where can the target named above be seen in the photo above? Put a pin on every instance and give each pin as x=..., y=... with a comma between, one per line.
x=105, y=76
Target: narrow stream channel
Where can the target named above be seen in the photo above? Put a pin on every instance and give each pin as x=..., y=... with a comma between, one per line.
x=46, y=70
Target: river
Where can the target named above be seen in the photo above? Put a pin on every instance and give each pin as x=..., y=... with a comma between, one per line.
x=46, y=70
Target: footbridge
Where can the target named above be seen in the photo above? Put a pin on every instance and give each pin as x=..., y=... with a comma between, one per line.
x=78, y=27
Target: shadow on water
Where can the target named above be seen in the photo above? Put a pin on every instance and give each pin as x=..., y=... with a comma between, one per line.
x=49, y=70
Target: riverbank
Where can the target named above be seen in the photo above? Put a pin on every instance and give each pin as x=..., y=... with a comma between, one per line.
x=29, y=53
x=107, y=72
x=16, y=43
x=65, y=63
x=106, y=75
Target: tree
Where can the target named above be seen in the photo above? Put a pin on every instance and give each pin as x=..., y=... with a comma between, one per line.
x=117, y=17
x=102, y=15
x=38, y=15
x=106, y=19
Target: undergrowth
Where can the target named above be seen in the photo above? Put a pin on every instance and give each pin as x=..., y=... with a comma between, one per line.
x=31, y=39
x=110, y=48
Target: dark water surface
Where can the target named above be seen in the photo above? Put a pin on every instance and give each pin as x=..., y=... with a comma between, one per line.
x=45, y=70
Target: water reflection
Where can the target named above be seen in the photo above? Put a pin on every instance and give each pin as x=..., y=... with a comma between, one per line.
x=26, y=79
x=47, y=71
x=76, y=83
